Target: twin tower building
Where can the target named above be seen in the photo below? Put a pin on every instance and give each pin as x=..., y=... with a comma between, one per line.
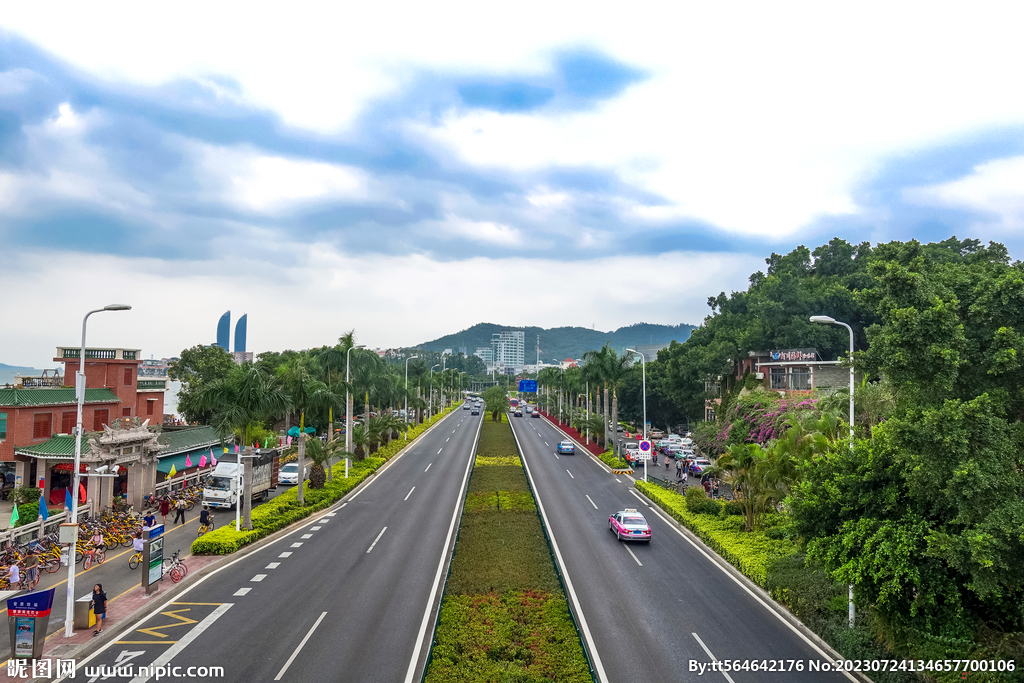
x=224, y=337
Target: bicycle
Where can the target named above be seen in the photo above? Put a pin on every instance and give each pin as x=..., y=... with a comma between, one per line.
x=135, y=560
x=204, y=528
x=96, y=555
x=178, y=569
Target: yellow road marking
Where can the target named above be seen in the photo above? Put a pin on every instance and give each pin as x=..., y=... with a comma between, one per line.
x=182, y=621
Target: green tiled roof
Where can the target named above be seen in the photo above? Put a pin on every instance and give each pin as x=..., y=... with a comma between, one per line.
x=57, y=447
x=186, y=440
x=19, y=398
x=194, y=440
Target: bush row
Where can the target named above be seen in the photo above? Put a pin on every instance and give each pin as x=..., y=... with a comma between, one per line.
x=284, y=509
x=608, y=458
x=751, y=553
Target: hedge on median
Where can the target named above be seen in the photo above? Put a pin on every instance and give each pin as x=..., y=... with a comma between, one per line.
x=751, y=552
x=283, y=510
x=608, y=458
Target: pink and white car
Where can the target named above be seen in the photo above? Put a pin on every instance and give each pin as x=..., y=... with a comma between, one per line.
x=630, y=525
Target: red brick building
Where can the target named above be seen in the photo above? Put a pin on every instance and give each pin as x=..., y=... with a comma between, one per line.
x=29, y=417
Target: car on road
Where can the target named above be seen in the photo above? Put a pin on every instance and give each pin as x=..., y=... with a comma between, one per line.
x=630, y=525
x=656, y=434
x=475, y=411
x=289, y=473
x=528, y=409
x=465, y=406
x=518, y=413
x=699, y=465
x=535, y=414
x=566, y=447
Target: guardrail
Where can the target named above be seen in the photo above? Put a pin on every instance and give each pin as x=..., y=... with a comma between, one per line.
x=39, y=528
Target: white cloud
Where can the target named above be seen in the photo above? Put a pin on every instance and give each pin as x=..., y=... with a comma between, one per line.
x=485, y=232
x=995, y=187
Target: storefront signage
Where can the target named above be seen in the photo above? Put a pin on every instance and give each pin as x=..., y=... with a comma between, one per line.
x=31, y=605
x=793, y=354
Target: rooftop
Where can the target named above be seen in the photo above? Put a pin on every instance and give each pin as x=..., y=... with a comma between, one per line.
x=174, y=442
x=45, y=396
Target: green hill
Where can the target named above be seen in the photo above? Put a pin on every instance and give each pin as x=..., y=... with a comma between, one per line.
x=559, y=343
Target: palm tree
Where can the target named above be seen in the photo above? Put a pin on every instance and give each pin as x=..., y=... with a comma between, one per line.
x=307, y=392
x=243, y=400
x=321, y=454
x=360, y=441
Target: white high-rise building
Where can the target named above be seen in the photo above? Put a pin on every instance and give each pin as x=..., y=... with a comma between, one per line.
x=508, y=347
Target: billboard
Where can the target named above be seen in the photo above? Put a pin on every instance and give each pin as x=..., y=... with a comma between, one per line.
x=528, y=386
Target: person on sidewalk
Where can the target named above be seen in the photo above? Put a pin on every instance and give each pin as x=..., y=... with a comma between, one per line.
x=165, y=507
x=13, y=576
x=31, y=569
x=99, y=607
x=179, y=511
x=679, y=470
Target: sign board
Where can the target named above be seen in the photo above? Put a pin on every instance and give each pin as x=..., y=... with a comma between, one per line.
x=155, y=531
x=644, y=450
x=528, y=386
x=155, y=568
x=31, y=605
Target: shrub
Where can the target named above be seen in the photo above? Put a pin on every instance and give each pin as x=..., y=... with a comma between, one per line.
x=27, y=513
x=608, y=458
x=751, y=553
x=731, y=507
x=25, y=494
x=705, y=506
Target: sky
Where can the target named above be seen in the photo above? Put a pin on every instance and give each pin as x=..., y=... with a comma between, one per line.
x=406, y=170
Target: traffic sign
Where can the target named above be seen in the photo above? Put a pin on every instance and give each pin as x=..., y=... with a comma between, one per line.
x=645, y=450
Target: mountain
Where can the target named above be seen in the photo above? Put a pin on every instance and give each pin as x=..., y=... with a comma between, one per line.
x=7, y=372
x=559, y=343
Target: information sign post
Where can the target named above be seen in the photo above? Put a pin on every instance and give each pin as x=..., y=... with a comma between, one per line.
x=153, y=559
x=28, y=616
x=646, y=450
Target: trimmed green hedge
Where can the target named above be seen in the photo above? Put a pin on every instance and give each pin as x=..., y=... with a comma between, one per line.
x=608, y=458
x=283, y=510
x=751, y=553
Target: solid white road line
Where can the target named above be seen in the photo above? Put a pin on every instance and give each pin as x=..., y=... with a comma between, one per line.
x=570, y=474
x=428, y=467
x=242, y=591
x=592, y=502
x=631, y=553
x=299, y=648
x=258, y=578
x=713, y=658
x=376, y=539
x=637, y=496
x=410, y=493
x=184, y=642
x=273, y=565
x=287, y=553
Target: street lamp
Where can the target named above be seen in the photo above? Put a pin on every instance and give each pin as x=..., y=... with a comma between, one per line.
x=430, y=408
x=407, y=395
x=643, y=371
x=348, y=404
x=69, y=622
x=829, y=320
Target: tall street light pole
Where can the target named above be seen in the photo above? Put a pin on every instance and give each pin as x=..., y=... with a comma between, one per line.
x=69, y=614
x=829, y=320
x=430, y=408
x=348, y=403
x=643, y=371
x=407, y=395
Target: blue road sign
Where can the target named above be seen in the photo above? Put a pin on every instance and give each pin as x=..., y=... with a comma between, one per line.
x=528, y=386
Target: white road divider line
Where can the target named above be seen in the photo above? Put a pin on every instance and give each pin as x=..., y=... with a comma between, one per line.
x=258, y=578
x=410, y=493
x=439, y=450
x=570, y=474
x=299, y=648
x=273, y=565
x=197, y=630
x=631, y=553
x=448, y=439
x=428, y=467
x=297, y=545
x=242, y=591
x=306, y=536
x=287, y=553
x=547, y=444
x=713, y=658
x=315, y=528
x=376, y=539
x=592, y=502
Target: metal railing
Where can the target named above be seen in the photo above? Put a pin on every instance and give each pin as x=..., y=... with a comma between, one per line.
x=151, y=384
x=39, y=528
x=182, y=480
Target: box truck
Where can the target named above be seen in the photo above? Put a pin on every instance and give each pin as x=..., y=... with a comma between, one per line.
x=223, y=488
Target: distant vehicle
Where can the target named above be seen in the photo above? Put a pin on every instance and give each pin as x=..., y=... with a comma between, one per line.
x=699, y=465
x=656, y=434
x=475, y=411
x=566, y=447
x=289, y=473
x=518, y=413
x=528, y=408
x=535, y=414
x=630, y=525
x=465, y=406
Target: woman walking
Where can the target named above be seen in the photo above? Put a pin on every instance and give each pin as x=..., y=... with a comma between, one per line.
x=165, y=507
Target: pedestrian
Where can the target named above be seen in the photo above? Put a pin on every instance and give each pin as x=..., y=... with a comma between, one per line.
x=31, y=568
x=707, y=485
x=99, y=607
x=685, y=477
x=714, y=489
x=679, y=469
x=165, y=507
x=666, y=461
x=13, y=576
x=179, y=508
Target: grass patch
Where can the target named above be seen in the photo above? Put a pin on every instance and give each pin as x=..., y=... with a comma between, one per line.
x=751, y=553
x=495, y=460
x=499, y=500
x=501, y=478
x=495, y=440
x=501, y=550
x=511, y=636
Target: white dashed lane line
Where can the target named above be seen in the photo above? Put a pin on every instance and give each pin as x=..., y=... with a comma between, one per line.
x=410, y=493
x=306, y=536
x=242, y=591
x=570, y=474
x=297, y=545
x=376, y=539
x=631, y=553
x=315, y=528
x=591, y=502
x=428, y=467
x=273, y=565
x=287, y=553
x=258, y=578
x=439, y=450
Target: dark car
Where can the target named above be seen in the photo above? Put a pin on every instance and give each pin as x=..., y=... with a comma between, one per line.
x=475, y=411
x=535, y=414
x=518, y=413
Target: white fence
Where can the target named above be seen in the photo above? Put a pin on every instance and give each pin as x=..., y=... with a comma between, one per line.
x=182, y=480
x=39, y=528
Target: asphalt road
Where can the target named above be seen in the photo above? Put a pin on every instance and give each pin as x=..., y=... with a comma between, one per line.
x=652, y=610
x=349, y=596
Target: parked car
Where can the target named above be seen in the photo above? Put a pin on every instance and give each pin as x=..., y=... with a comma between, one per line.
x=698, y=466
x=630, y=525
x=289, y=473
x=566, y=447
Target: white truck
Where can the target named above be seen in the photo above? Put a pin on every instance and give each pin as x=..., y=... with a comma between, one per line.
x=223, y=488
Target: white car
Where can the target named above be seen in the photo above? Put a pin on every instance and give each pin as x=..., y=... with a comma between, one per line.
x=289, y=473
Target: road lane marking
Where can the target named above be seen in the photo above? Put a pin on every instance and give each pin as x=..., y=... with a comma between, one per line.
x=287, y=553
x=592, y=502
x=556, y=457
x=546, y=443
x=428, y=467
x=618, y=480
x=448, y=439
x=299, y=648
x=439, y=450
x=197, y=631
x=453, y=431
x=631, y=553
x=339, y=507
x=376, y=539
x=306, y=536
x=570, y=474
x=331, y=514
x=713, y=658
x=297, y=545
x=315, y=528
x=410, y=493
x=273, y=565
x=242, y=591
x=637, y=496
x=257, y=578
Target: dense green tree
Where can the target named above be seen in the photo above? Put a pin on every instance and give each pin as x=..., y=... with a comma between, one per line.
x=195, y=368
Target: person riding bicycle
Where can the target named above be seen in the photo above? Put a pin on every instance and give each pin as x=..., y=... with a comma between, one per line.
x=137, y=542
x=204, y=516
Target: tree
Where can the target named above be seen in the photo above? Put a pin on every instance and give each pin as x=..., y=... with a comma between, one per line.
x=198, y=366
x=243, y=400
x=495, y=402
